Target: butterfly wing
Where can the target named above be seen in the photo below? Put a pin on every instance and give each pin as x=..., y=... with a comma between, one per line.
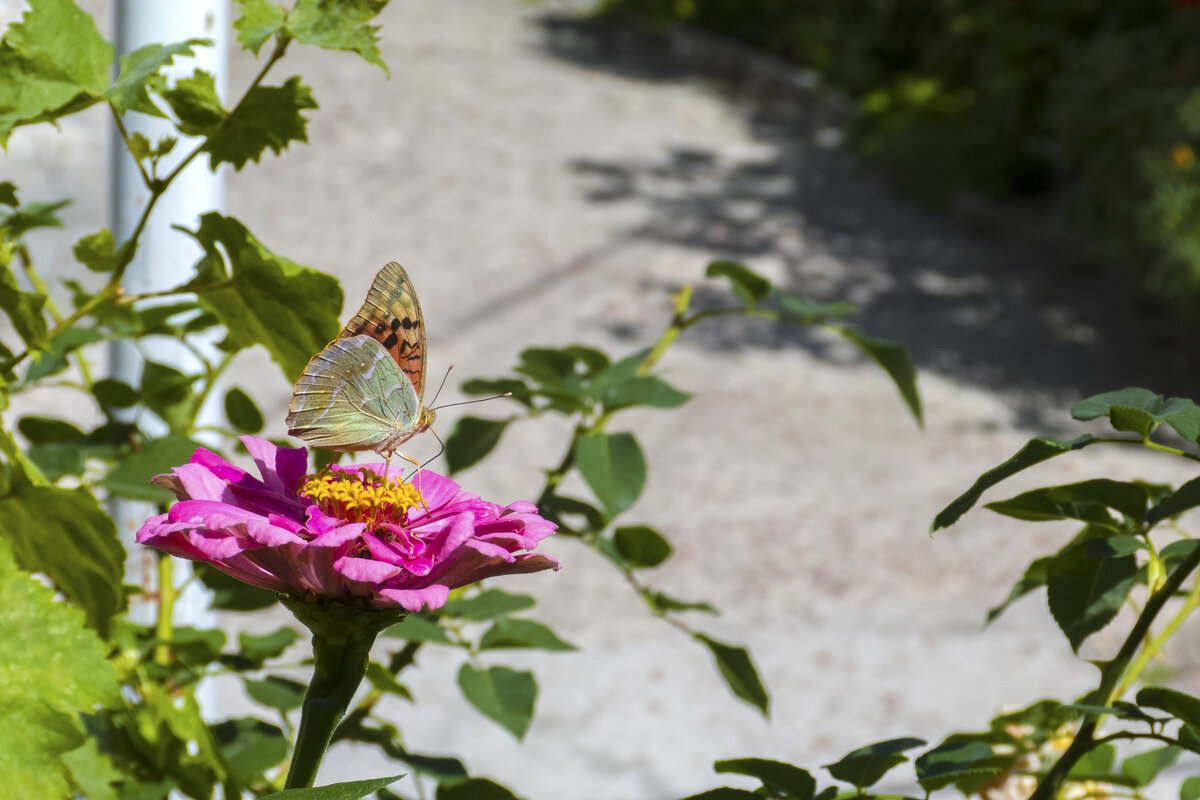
x=391, y=316
x=353, y=396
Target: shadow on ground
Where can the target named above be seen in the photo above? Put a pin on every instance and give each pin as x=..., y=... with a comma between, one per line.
x=980, y=294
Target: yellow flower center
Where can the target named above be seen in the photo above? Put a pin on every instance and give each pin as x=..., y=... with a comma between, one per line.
x=362, y=496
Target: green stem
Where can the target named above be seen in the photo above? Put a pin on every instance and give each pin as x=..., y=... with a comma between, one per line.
x=164, y=625
x=342, y=637
x=1111, y=678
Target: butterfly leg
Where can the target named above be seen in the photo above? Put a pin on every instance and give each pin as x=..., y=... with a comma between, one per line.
x=416, y=464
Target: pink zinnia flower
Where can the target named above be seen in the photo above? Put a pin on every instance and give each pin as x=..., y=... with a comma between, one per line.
x=348, y=532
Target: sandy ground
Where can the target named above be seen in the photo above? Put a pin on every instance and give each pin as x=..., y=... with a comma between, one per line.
x=549, y=182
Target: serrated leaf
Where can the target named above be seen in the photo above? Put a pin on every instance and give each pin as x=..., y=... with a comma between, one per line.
x=471, y=440
x=641, y=546
x=92, y=772
x=1086, y=501
x=267, y=117
x=1142, y=768
x=952, y=761
x=866, y=765
x=488, y=604
x=613, y=467
x=474, y=789
x=276, y=692
x=24, y=309
x=97, y=251
x=62, y=41
x=1185, y=498
x=776, y=776
x=1034, y=578
x=339, y=25
x=350, y=790
x=503, y=695
x=195, y=103
x=416, y=628
x=522, y=633
x=1086, y=593
x=1178, y=704
x=265, y=299
x=66, y=535
x=1034, y=452
x=52, y=665
x=241, y=411
x=130, y=478
x=896, y=362
x=250, y=747
x=33, y=216
x=1141, y=411
x=738, y=670
x=260, y=20
x=140, y=70
x=748, y=285
x=29, y=93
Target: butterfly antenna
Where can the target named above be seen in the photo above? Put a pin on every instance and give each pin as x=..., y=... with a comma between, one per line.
x=441, y=386
x=468, y=402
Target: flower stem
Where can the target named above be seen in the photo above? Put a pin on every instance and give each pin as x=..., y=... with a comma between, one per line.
x=342, y=637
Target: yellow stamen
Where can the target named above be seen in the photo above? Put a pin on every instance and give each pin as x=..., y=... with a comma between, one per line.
x=362, y=496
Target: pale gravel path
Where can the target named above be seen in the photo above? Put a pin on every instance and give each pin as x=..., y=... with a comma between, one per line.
x=547, y=183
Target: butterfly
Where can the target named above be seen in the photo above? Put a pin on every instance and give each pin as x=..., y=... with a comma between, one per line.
x=366, y=389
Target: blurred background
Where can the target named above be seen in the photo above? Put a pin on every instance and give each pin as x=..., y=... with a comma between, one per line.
x=1006, y=188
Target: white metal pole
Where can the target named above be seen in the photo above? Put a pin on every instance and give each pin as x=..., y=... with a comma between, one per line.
x=165, y=256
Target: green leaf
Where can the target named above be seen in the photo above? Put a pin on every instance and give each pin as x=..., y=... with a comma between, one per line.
x=471, y=440
x=131, y=476
x=416, y=628
x=24, y=309
x=260, y=647
x=8, y=194
x=866, y=765
x=1190, y=789
x=896, y=362
x=268, y=116
x=263, y=298
x=1034, y=578
x=1141, y=411
x=32, y=217
x=521, y=633
x=1086, y=593
x=58, y=459
x=260, y=20
x=953, y=760
x=196, y=105
x=1086, y=501
x=39, y=430
x=276, y=692
x=385, y=681
x=141, y=70
x=61, y=40
x=97, y=251
x=641, y=546
x=53, y=360
x=664, y=602
x=622, y=385
x=1182, y=706
x=613, y=467
x=92, y=772
x=65, y=534
x=1185, y=498
x=746, y=284
x=251, y=748
x=738, y=670
x=1143, y=767
x=725, y=793
x=488, y=604
x=519, y=390
x=52, y=665
x=350, y=790
x=501, y=694
x=196, y=647
x=241, y=411
x=799, y=309
x=474, y=789
x=776, y=776
x=230, y=594
x=29, y=93
x=113, y=393
x=1034, y=452
x=163, y=386
x=339, y=25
